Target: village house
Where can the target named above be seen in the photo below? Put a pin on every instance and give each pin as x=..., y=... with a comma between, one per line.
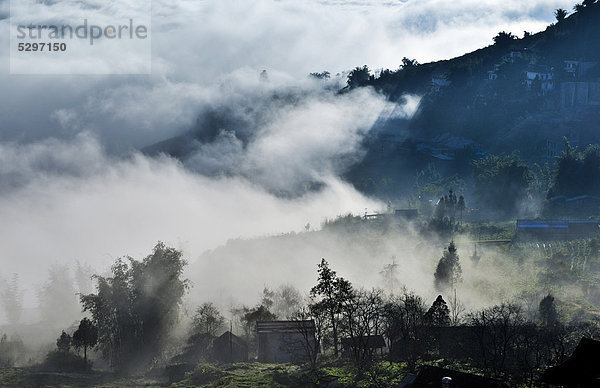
x=573, y=94
x=577, y=68
x=542, y=74
x=229, y=348
x=286, y=341
x=556, y=229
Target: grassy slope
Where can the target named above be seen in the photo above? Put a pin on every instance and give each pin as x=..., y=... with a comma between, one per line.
x=25, y=378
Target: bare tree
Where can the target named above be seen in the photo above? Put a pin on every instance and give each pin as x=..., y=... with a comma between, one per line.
x=457, y=309
x=496, y=330
x=12, y=300
x=404, y=317
x=361, y=320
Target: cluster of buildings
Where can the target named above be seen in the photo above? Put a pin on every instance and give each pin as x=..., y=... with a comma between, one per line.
x=294, y=342
x=576, y=88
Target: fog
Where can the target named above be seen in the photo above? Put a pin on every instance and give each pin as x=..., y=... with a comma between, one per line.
x=360, y=257
x=75, y=187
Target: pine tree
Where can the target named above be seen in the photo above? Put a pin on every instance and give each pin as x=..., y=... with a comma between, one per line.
x=448, y=271
x=548, y=314
x=439, y=313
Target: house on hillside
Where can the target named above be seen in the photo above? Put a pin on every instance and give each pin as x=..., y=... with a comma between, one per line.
x=583, y=204
x=582, y=369
x=556, y=229
x=229, y=348
x=542, y=74
x=573, y=94
x=577, y=68
x=286, y=341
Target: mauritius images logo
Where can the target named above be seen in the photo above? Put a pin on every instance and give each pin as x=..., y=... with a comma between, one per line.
x=75, y=37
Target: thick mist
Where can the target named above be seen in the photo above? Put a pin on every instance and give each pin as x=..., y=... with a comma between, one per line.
x=69, y=200
x=74, y=186
x=236, y=273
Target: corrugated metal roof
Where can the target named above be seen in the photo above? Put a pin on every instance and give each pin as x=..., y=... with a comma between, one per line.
x=284, y=326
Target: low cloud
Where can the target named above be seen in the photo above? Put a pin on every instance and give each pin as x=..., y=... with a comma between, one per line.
x=74, y=186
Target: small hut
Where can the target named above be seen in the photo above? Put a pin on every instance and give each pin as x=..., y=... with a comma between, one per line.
x=229, y=348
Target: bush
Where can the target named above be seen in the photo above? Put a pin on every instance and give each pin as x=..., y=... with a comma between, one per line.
x=57, y=361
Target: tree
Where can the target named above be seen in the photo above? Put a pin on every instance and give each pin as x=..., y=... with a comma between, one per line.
x=86, y=336
x=448, y=272
x=578, y=173
x=332, y=292
x=135, y=308
x=439, y=313
x=408, y=63
x=389, y=275
x=83, y=277
x=321, y=75
x=63, y=343
x=504, y=39
x=457, y=308
x=251, y=316
x=268, y=298
x=358, y=77
x=548, y=314
x=57, y=298
x=461, y=206
x=361, y=318
x=12, y=351
x=501, y=183
x=12, y=300
x=578, y=7
x=560, y=14
x=497, y=332
x=287, y=302
x=207, y=320
x=404, y=317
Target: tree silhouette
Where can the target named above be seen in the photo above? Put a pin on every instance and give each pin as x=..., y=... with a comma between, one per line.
x=358, y=77
x=63, y=343
x=12, y=300
x=85, y=336
x=439, y=313
x=461, y=206
x=408, y=64
x=504, y=39
x=207, y=320
x=448, y=271
x=333, y=291
x=501, y=182
x=560, y=14
x=548, y=314
x=135, y=308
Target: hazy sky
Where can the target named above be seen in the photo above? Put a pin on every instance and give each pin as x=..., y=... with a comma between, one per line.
x=71, y=187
